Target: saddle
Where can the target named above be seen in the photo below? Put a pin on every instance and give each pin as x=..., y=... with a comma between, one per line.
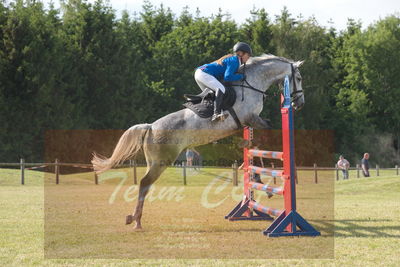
x=203, y=103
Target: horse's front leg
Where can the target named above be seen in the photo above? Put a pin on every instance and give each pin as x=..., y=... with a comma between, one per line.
x=257, y=122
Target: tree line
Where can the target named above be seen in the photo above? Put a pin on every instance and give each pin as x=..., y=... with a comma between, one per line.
x=81, y=66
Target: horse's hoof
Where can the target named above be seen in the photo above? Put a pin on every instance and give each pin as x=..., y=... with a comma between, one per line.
x=129, y=219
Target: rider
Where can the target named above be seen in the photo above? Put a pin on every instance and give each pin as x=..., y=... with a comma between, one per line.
x=223, y=69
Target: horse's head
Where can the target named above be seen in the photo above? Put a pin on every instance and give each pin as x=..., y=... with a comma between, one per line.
x=296, y=89
x=269, y=69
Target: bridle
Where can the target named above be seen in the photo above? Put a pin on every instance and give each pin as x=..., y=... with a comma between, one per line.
x=295, y=94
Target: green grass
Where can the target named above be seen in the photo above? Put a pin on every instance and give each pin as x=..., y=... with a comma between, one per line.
x=84, y=223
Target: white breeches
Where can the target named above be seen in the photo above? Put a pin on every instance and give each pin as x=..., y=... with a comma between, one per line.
x=205, y=80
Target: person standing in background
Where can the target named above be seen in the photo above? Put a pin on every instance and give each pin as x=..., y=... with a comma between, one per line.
x=365, y=165
x=190, y=153
x=344, y=165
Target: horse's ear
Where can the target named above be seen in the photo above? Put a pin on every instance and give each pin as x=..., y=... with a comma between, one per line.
x=299, y=63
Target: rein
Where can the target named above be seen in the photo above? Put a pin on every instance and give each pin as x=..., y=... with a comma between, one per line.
x=294, y=94
x=248, y=85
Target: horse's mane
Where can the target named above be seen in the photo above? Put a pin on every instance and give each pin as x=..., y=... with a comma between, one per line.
x=265, y=57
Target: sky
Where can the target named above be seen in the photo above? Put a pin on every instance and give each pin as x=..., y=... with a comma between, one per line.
x=338, y=11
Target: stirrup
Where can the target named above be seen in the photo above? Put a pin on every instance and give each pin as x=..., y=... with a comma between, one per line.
x=221, y=116
x=214, y=117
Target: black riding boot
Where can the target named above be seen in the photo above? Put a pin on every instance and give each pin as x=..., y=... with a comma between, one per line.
x=218, y=114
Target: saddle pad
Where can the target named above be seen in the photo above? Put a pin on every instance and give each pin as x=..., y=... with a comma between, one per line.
x=205, y=108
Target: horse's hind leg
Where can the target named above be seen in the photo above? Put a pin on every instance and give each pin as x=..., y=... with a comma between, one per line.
x=149, y=178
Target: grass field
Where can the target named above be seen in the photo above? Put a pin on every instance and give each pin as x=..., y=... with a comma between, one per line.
x=78, y=223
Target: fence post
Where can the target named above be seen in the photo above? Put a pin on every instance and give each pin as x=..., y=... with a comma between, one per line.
x=377, y=170
x=132, y=164
x=57, y=172
x=315, y=173
x=134, y=172
x=273, y=166
x=22, y=164
x=397, y=169
x=337, y=172
x=235, y=173
x=96, y=178
x=358, y=170
x=184, y=172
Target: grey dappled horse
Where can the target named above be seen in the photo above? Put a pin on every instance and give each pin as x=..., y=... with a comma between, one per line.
x=163, y=140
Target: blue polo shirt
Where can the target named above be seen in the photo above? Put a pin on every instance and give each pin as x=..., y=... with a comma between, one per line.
x=226, y=71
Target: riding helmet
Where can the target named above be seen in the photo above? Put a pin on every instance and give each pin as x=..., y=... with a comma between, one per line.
x=241, y=46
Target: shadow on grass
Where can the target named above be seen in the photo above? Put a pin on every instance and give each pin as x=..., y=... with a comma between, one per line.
x=357, y=228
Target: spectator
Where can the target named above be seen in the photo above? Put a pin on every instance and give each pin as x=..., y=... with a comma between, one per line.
x=365, y=165
x=344, y=165
x=190, y=152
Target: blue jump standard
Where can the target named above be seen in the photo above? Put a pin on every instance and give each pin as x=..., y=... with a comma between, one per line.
x=277, y=228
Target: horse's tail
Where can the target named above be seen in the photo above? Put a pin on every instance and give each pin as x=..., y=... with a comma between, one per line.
x=128, y=145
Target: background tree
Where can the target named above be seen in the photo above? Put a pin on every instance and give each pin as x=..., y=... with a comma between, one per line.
x=31, y=96
x=83, y=67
